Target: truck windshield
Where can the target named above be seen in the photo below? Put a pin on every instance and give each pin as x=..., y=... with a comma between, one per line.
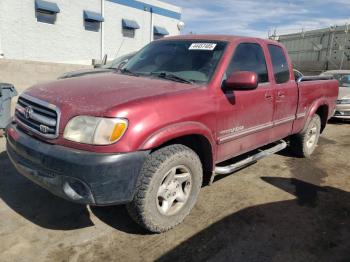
x=189, y=61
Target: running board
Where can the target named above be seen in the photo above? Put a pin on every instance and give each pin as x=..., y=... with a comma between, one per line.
x=224, y=170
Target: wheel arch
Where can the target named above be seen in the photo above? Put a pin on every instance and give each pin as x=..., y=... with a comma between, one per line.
x=191, y=134
x=320, y=108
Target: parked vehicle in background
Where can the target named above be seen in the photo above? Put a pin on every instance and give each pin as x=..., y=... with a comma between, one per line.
x=150, y=134
x=342, y=109
x=110, y=66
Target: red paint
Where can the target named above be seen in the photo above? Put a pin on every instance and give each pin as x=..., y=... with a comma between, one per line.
x=12, y=133
x=243, y=80
x=160, y=110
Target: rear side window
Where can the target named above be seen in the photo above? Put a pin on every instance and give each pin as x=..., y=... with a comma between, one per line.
x=279, y=64
x=249, y=57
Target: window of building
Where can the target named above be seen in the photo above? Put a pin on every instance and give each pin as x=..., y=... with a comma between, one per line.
x=127, y=32
x=46, y=12
x=129, y=27
x=159, y=32
x=92, y=21
x=279, y=64
x=249, y=57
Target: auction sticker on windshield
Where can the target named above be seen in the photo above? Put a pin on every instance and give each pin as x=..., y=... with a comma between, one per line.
x=202, y=46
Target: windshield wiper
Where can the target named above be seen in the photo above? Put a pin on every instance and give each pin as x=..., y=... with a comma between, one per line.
x=128, y=72
x=171, y=77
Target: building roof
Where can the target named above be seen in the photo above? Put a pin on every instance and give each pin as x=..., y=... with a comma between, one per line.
x=153, y=6
x=162, y=4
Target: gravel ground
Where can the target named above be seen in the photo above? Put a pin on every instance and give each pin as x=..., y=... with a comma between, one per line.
x=280, y=209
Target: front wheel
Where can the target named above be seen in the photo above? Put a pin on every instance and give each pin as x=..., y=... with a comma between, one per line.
x=304, y=143
x=167, y=190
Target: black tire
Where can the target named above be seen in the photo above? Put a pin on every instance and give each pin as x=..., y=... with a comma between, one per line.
x=299, y=142
x=144, y=207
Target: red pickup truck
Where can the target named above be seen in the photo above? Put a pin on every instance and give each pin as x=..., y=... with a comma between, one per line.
x=151, y=134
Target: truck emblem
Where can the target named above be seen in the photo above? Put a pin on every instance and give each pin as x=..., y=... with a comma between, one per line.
x=232, y=130
x=44, y=129
x=28, y=112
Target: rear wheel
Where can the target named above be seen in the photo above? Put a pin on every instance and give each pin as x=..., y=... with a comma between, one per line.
x=167, y=190
x=304, y=143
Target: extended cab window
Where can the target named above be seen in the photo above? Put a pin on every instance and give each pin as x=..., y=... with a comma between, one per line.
x=279, y=64
x=249, y=57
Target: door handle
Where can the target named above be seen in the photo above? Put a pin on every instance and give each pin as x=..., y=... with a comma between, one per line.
x=281, y=95
x=268, y=96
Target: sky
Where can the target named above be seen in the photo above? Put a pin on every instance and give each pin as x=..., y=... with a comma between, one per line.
x=258, y=17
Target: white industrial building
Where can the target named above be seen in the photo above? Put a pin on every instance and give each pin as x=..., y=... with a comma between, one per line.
x=76, y=31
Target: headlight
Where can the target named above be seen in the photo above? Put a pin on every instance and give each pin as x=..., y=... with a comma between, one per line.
x=343, y=101
x=95, y=130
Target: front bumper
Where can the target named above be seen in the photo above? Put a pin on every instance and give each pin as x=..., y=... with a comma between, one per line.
x=342, y=111
x=75, y=175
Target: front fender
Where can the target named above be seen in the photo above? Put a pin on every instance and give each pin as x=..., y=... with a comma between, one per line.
x=175, y=131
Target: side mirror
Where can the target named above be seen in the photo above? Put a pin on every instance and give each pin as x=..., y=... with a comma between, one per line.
x=104, y=60
x=122, y=64
x=99, y=63
x=242, y=80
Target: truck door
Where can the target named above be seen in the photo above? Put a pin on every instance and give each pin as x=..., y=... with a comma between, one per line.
x=245, y=117
x=286, y=93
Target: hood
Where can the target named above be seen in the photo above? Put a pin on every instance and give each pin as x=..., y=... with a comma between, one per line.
x=344, y=92
x=84, y=72
x=97, y=94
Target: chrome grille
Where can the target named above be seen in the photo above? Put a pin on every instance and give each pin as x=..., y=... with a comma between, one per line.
x=37, y=116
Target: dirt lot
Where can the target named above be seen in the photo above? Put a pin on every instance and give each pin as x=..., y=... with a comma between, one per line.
x=280, y=209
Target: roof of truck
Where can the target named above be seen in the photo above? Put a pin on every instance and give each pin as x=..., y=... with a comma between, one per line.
x=229, y=38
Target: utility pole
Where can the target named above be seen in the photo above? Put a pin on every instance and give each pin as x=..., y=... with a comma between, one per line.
x=151, y=25
x=102, y=30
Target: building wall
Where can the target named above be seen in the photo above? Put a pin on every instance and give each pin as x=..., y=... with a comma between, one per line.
x=23, y=74
x=67, y=41
x=115, y=44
